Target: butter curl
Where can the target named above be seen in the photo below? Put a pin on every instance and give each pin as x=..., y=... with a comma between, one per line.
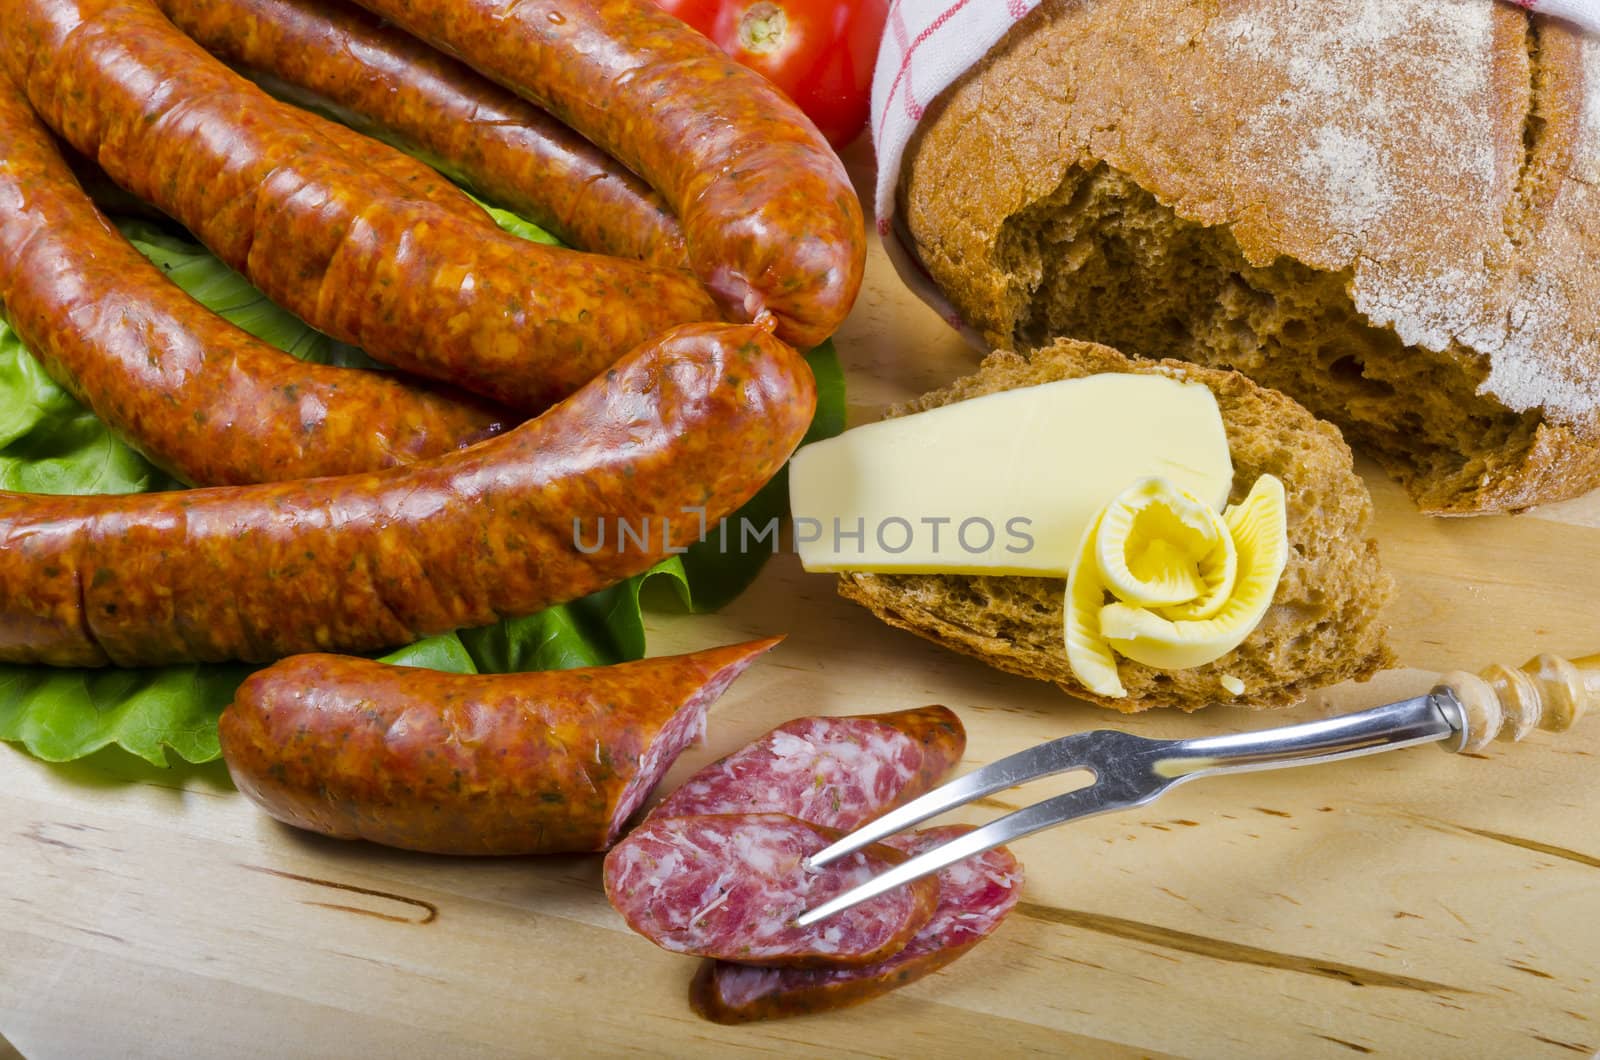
x=1163, y=579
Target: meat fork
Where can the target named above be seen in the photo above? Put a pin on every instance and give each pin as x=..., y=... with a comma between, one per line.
x=1465, y=711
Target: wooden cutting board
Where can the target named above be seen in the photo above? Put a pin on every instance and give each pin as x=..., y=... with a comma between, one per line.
x=1415, y=904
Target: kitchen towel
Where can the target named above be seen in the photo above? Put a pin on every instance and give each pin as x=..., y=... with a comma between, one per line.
x=928, y=44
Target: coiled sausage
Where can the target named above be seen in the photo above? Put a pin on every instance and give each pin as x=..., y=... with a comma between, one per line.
x=385, y=80
x=772, y=222
x=322, y=235
x=421, y=181
x=690, y=424
x=201, y=398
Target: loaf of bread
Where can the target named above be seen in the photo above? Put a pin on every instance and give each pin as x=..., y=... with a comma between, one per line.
x=1326, y=620
x=1388, y=209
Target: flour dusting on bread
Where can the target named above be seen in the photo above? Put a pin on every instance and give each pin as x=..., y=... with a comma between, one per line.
x=1556, y=296
x=1330, y=128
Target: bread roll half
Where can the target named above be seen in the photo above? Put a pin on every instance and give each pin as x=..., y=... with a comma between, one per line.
x=1388, y=209
x=1325, y=624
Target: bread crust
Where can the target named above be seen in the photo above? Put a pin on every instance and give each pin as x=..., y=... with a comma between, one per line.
x=1442, y=158
x=1326, y=621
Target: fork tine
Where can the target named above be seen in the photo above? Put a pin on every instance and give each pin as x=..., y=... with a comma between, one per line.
x=1043, y=760
x=1082, y=802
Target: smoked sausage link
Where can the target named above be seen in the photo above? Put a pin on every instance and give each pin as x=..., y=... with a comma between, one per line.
x=421, y=182
x=772, y=222
x=974, y=896
x=836, y=772
x=528, y=763
x=731, y=887
x=201, y=398
x=328, y=238
x=692, y=423
x=386, y=81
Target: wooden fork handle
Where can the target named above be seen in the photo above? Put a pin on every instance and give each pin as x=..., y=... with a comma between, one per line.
x=1546, y=692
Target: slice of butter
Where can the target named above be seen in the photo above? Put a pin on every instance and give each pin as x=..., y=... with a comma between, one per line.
x=1005, y=483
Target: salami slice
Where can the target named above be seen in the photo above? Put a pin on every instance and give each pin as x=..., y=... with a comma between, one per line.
x=974, y=896
x=835, y=772
x=730, y=886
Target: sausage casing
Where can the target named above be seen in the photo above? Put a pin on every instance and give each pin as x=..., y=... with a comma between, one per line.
x=771, y=220
x=326, y=237
x=421, y=181
x=690, y=424
x=528, y=763
x=508, y=150
x=201, y=398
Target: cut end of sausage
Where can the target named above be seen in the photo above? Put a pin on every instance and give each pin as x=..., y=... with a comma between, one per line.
x=732, y=886
x=536, y=762
x=791, y=243
x=974, y=897
x=742, y=301
x=835, y=772
x=736, y=295
x=686, y=728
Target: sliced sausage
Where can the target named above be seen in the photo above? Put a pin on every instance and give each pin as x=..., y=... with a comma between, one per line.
x=694, y=422
x=772, y=222
x=836, y=772
x=528, y=763
x=382, y=79
x=974, y=896
x=731, y=887
x=201, y=398
x=342, y=247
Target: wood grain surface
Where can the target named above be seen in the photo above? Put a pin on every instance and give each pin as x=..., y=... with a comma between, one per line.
x=1411, y=904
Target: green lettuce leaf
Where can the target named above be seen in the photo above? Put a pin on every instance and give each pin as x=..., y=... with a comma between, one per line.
x=51, y=444
x=60, y=715
x=516, y=225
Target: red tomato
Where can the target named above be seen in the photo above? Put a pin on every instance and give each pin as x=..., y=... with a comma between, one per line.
x=820, y=52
